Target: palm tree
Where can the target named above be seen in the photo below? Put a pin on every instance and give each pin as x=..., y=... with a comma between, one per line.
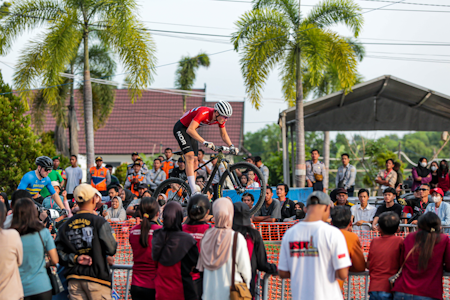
x=274, y=33
x=70, y=24
x=103, y=96
x=185, y=74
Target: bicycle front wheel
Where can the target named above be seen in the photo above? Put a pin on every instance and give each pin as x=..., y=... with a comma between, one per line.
x=236, y=190
x=175, y=189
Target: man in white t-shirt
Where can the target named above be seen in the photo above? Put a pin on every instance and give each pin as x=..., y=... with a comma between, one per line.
x=74, y=176
x=314, y=254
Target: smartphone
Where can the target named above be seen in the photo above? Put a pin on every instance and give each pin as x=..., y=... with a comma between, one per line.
x=105, y=207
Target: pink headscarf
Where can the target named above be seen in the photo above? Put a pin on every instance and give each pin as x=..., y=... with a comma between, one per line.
x=216, y=243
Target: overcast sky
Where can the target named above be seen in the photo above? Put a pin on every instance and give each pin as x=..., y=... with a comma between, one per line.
x=427, y=66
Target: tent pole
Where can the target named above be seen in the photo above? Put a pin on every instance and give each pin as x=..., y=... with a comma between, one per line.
x=285, y=149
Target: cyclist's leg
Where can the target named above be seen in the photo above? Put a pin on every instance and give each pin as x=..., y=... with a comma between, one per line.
x=189, y=146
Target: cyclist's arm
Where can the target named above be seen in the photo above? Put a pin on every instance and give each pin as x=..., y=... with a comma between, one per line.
x=192, y=131
x=55, y=195
x=225, y=137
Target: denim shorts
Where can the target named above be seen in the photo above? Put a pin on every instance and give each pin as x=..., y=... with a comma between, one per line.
x=381, y=296
x=403, y=296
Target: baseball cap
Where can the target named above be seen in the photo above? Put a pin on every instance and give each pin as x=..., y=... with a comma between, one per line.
x=136, y=163
x=138, y=158
x=341, y=191
x=56, y=157
x=181, y=160
x=390, y=190
x=134, y=153
x=98, y=158
x=438, y=190
x=108, y=166
x=84, y=192
x=322, y=198
x=55, y=183
x=142, y=186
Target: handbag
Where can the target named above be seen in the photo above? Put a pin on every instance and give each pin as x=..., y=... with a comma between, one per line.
x=55, y=281
x=341, y=182
x=238, y=290
x=393, y=278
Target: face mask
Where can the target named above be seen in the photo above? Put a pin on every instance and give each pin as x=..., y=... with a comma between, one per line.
x=433, y=168
x=423, y=164
x=435, y=199
x=161, y=202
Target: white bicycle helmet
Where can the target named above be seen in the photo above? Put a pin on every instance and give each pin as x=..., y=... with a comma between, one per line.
x=224, y=108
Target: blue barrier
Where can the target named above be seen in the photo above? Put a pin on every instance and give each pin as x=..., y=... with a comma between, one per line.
x=296, y=194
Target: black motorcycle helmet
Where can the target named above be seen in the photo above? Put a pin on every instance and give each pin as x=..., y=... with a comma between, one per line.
x=44, y=161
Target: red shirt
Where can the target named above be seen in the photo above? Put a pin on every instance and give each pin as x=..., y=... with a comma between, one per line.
x=427, y=283
x=144, y=267
x=385, y=258
x=444, y=182
x=197, y=231
x=202, y=115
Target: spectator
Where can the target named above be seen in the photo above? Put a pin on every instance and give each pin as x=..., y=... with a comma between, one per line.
x=399, y=182
x=217, y=176
x=198, y=212
x=264, y=169
x=113, y=191
x=250, y=160
x=162, y=200
x=251, y=183
x=387, y=178
x=49, y=203
x=248, y=199
x=135, y=179
x=342, y=198
x=287, y=205
x=270, y=211
x=176, y=253
x=56, y=163
x=74, y=176
x=346, y=175
x=255, y=244
x=204, y=171
x=444, y=179
x=434, y=167
x=11, y=259
x=135, y=157
x=416, y=207
x=99, y=177
x=169, y=163
x=36, y=241
x=133, y=206
x=4, y=200
x=54, y=175
x=389, y=205
x=442, y=209
x=300, y=211
x=316, y=173
x=18, y=194
x=116, y=211
x=385, y=256
x=200, y=181
x=86, y=246
x=314, y=277
x=421, y=174
x=341, y=217
x=363, y=213
x=114, y=179
x=156, y=175
x=426, y=253
x=180, y=171
x=215, y=259
x=244, y=180
x=128, y=196
x=141, y=236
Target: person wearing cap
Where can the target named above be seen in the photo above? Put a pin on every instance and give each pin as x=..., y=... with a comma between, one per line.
x=99, y=176
x=313, y=254
x=56, y=162
x=389, y=195
x=416, y=206
x=85, y=245
x=342, y=198
x=264, y=169
x=134, y=179
x=49, y=203
x=180, y=171
x=156, y=175
x=439, y=207
x=316, y=173
x=54, y=175
x=114, y=179
x=135, y=156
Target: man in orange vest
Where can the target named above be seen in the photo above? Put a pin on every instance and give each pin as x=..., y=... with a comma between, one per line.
x=169, y=163
x=136, y=178
x=99, y=176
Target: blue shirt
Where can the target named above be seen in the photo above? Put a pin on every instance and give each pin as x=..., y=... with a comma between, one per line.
x=32, y=184
x=49, y=203
x=443, y=211
x=32, y=271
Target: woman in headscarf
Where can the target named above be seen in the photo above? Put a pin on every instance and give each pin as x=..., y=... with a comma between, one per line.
x=215, y=258
x=128, y=196
x=443, y=177
x=176, y=253
x=116, y=211
x=421, y=174
x=255, y=244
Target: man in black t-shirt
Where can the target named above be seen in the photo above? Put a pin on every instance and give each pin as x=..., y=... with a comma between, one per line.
x=389, y=205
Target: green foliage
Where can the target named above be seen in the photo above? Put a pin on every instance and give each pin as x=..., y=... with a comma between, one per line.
x=19, y=145
x=48, y=148
x=148, y=159
x=121, y=172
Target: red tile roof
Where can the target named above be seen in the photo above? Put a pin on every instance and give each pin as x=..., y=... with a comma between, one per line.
x=149, y=122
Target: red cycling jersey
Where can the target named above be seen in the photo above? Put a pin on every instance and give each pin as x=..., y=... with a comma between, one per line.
x=202, y=115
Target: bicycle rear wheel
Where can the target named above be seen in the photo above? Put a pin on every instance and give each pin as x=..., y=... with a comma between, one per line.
x=178, y=190
x=237, y=190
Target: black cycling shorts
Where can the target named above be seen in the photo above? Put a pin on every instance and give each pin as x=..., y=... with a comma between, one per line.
x=186, y=142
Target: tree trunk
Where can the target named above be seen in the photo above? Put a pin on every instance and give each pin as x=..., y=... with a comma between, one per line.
x=326, y=154
x=73, y=122
x=300, y=170
x=61, y=140
x=184, y=103
x=88, y=113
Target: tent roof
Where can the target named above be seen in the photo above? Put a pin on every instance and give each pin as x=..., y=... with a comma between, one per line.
x=384, y=103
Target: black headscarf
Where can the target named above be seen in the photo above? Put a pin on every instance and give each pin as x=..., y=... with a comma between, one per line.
x=128, y=198
x=5, y=197
x=242, y=222
x=422, y=171
x=170, y=244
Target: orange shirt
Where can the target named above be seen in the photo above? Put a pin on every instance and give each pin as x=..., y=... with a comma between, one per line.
x=356, y=253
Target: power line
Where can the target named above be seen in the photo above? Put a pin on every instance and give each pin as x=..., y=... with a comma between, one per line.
x=409, y=59
x=409, y=3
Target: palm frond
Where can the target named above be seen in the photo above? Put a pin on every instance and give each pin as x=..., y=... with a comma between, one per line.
x=357, y=47
x=288, y=7
x=333, y=12
x=186, y=72
x=288, y=71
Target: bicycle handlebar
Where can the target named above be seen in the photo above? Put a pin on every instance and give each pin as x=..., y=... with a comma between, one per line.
x=222, y=148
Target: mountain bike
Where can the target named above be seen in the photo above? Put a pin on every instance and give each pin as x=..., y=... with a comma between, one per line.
x=178, y=190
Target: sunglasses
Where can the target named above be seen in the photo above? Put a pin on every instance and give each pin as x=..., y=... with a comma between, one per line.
x=422, y=190
x=47, y=169
x=226, y=118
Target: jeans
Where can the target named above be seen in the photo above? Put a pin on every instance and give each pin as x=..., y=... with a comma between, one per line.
x=403, y=296
x=351, y=191
x=380, y=296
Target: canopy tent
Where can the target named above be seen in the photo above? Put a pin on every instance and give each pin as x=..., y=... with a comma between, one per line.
x=384, y=103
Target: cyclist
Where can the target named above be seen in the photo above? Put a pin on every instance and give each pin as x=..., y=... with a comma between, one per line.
x=35, y=181
x=185, y=132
